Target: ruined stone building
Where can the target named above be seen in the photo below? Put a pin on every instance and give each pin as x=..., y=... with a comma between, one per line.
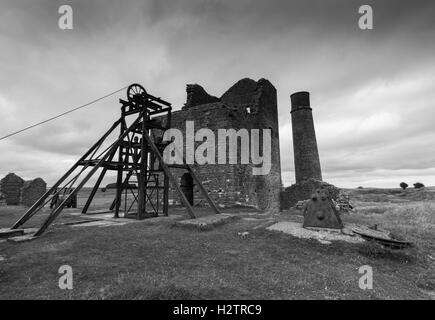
x=10, y=188
x=15, y=191
x=247, y=104
x=32, y=190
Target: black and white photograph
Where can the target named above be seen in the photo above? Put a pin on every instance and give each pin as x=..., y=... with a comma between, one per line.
x=217, y=155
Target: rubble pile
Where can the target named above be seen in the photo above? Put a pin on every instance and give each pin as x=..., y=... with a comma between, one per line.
x=343, y=203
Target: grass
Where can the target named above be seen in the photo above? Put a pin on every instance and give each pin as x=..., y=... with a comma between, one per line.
x=146, y=260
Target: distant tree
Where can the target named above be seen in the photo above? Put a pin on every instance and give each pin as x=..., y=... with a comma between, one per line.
x=404, y=185
x=418, y=185
x=360, y=187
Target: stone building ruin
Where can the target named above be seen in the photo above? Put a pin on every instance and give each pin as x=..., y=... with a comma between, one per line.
x=10, y=188
x=15, y=191
x=253, y=104
x=32, y=190
x=247, y=104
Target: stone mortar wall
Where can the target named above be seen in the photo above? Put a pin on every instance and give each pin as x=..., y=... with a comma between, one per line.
x=196, y=95
x=32, y=191
x=10, y=187
x=302, y=191
x=15, y=191
x=250, y=105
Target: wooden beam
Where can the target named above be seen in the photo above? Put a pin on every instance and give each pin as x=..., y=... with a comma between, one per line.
x=36, y=206
x=170, y=176
x=58, y=209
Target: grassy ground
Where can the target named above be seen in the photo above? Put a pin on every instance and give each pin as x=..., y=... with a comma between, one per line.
x=147, y=260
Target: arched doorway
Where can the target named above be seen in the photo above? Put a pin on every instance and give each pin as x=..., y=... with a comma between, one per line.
x=187, y=187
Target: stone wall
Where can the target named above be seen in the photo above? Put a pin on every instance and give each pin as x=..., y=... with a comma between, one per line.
x=2, y=199
x=250, y=105
x=196, y=95
x=10, y=187
x=32, y=191
x=302, y=191
x=15, y=191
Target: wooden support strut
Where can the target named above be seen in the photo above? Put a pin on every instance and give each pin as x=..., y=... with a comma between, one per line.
x=170, y=176
x=143, y=125
x=203, y=191
x=58, y=209
x=166, y=178
x=120, y=166
x=36, y=206
x=198, y=182
x=97, y=185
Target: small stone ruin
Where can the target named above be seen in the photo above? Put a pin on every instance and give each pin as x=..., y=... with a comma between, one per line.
x=15, y=191
x=10, y=187
x=32, y=191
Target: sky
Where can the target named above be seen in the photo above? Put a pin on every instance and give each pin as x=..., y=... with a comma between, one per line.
x=372, y=91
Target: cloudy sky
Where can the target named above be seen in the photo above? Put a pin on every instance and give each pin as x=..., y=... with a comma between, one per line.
x=372, y=91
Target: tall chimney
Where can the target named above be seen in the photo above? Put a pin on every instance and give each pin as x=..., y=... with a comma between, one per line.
x=306, y=155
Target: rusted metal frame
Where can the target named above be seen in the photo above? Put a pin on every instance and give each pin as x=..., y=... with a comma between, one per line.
x=125, y=202
x=73, y=181
x=132, y=203
x=159, y=112
x=143, y=167
x=48, y=198
x=54, y=214
x=146, y=196
x=149, y=196
x=154, y=193
x=126, y=163
x=66, y=190
x=85, y=166
x=37, y=205
x=124, y=184
x=63, y=189
x=159, y=100
x=134, y=194
x=127, y=178
x=150, y=174
x=120, y=166
x=136, y=158
x=57, y=193
x=97, y=185
x=157, y=193
x=171, y=177
x=151, y=202
x=165, y=176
